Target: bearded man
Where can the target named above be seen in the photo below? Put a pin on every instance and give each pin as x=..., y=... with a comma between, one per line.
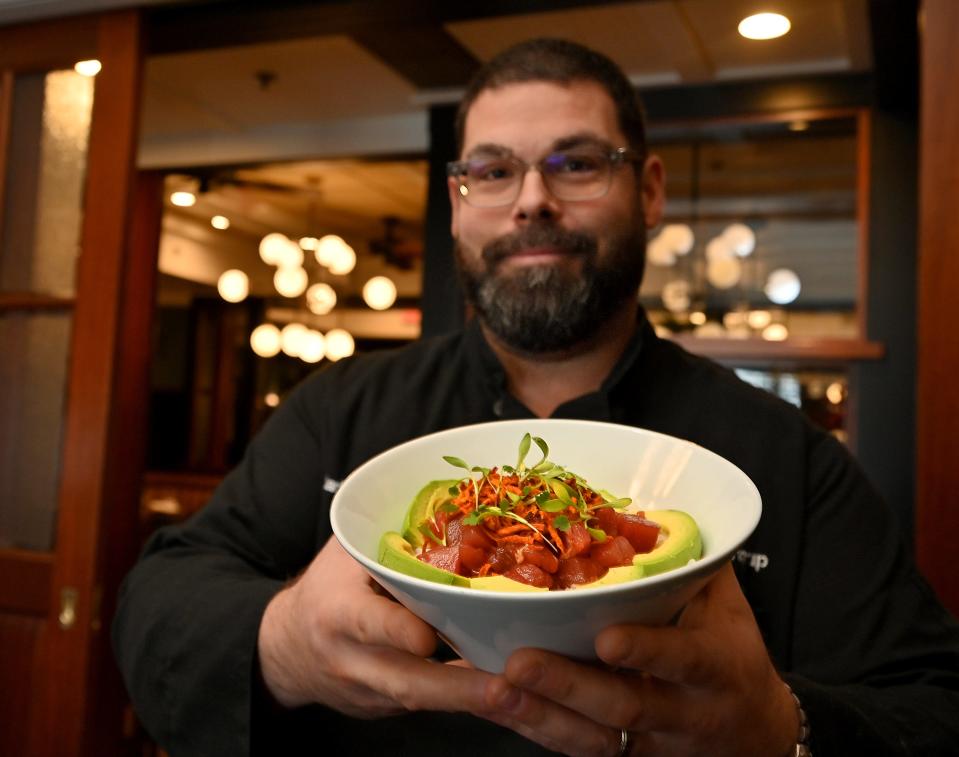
x=249, y=630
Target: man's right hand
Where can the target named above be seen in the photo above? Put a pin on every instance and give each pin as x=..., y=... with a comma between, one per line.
x=331, y=639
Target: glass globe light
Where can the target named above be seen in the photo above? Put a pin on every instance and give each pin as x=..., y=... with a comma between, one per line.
x=265, y=340
x=233, y=285
x=290, y=282
x=272, y=248
x=320, y=298
x=327, y=248
x=313, y=347
x=344, y=262
x=379, y=292
x=740, y=238
x=724, y=273
x=782, y=286
x=292, y=339
x=339, y=344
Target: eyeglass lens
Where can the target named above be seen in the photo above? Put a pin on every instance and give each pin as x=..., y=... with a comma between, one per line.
x=568, y=175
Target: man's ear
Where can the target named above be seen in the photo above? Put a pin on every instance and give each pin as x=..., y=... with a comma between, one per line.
x=453, y=187
x=653, y=191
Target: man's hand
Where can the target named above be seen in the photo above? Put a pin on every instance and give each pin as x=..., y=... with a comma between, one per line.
x=331, y=639
x=704, y=686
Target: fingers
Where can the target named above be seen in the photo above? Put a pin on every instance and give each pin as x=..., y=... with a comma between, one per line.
x=378, y=621
x=417, y=684
x=547, y=723
x=619, y=699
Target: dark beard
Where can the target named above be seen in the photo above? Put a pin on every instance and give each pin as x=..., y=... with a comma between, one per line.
x=540, y=309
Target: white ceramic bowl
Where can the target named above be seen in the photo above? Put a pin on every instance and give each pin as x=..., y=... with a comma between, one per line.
x=485, y=627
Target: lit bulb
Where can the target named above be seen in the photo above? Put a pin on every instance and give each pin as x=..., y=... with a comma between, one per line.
x=292, y=338
x=220, y=222
x=697, y=318
x=344, y=262
x=313, y=347
x=272, y=399
x=274, y=248
x=679, y=237
x=764, y=26
x=233, y=285
x=327, y=248
x=87, y=67
x=183, y=199
x=339, y=344
x=320, y=298
x=835, y=393
x=723, y=273
x=740, y=238
x=775, y=332
x=676, y=295
x=265, y=340
x=379, y=292
x=759, y=319
x=290, y=282
x=782, y=286
x=309, y=243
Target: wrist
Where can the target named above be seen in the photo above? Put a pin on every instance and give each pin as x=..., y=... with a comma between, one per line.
x=274, y=642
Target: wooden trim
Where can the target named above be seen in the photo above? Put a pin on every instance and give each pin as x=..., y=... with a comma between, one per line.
x=6, y=111
x=25, y=588
x=67, y=655
x=863, y=188
x=937, y=474
x=806, y=350
x=783, y=116
x=33, y=300
x=48, y=45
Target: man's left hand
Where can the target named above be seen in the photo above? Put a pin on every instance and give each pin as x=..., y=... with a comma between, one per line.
x=703, y=686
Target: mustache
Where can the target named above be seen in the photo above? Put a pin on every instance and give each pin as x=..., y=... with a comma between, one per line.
x=540, y=235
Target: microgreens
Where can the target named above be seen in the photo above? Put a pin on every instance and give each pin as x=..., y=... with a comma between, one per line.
x=554, y=489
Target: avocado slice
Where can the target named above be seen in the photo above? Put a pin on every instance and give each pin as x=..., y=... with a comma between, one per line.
x=397, y=553
x=431, y=496
x=502, y=583
x=683, y=543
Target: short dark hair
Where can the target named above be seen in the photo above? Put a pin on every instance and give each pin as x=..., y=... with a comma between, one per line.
x=559, y=61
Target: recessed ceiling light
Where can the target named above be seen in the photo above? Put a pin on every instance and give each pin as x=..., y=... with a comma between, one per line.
x=87, y=67
x=183, y=199
x=764, y=26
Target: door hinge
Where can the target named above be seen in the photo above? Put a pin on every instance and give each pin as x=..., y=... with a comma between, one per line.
x=69, y=597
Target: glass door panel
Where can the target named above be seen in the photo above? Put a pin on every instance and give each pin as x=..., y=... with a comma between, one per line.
x=33, y=374
x=46, y=154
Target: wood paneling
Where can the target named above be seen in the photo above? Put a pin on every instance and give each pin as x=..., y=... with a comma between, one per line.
x=64, y=43
x=25, y=588
x=19, y=637
x=937, y=506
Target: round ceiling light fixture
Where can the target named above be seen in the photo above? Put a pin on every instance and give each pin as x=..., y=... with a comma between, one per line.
x=233, y=285
x=88, y=67
x=379, y=292
x=312, y=347
x=265, y=340
x=293, y=337
x=764, y=26
x=321, y=298
x=339, y=344
x=782, y=286
x=290, y=282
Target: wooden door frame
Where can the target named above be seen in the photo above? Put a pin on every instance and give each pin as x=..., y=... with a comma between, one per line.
x=76, y=698
x=937, y=471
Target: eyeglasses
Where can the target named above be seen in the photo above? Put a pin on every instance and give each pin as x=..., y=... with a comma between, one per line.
x=573, y=175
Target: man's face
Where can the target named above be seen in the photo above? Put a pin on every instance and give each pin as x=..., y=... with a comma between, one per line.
x=545, y=274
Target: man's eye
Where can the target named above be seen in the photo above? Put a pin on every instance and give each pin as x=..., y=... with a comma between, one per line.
x=577, y=164
x=496, y=171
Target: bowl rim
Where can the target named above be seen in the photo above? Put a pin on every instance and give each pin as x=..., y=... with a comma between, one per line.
x=705, y=564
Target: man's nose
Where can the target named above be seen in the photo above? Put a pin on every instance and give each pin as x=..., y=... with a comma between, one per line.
x=535, y=201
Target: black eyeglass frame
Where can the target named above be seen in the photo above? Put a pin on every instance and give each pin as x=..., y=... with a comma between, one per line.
x=617, y=157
